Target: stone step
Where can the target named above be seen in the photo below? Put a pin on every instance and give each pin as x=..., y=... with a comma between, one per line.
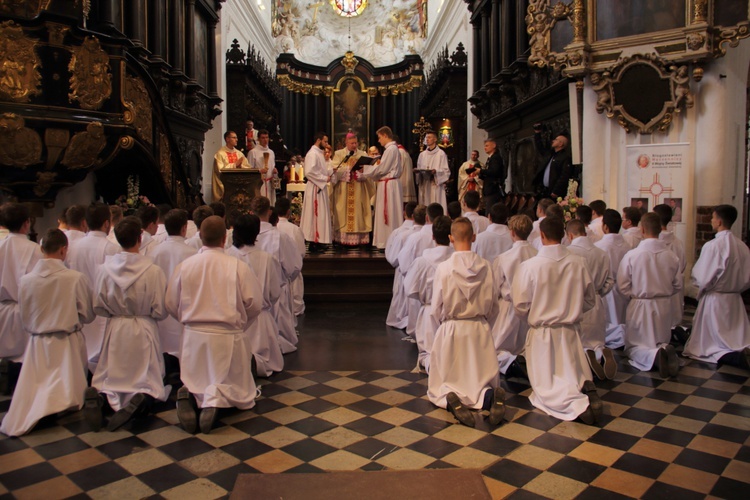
x=348, y=277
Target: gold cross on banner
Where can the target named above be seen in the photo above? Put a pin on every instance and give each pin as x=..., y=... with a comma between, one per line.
x=421, y=127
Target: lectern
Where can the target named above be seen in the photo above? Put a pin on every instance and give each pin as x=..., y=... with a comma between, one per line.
x=240, y=187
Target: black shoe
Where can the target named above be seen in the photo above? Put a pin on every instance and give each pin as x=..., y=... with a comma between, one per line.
x=92, y=408
x=207, y=419
x=497, y=410
x=4, y=377
x=254, y=367
x=610, y=363
x=461, y=412
x=680, y=334
x=596, y=367
x=673, y=362
x=517, y=368
x=186, y=412
x=595, y=407
x=121, y=417
x=662, y=362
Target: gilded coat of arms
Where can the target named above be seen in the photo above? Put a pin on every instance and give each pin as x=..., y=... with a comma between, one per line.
x=19, y=146
x=19, y=65
x=91, y=83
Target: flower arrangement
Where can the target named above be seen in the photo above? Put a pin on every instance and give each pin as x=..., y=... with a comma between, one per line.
x=295, y=213
x=571, y=202
x=133, y=200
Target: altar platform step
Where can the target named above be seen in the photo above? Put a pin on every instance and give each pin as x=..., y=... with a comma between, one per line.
x=347, y=276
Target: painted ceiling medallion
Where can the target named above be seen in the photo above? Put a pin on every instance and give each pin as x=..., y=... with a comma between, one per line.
x=348, y=8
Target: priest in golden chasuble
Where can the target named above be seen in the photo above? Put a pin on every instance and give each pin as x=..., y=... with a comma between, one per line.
x=352, y=214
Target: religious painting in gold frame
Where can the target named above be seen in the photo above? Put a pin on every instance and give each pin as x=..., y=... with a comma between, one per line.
x=350, y=111
x=620, y=18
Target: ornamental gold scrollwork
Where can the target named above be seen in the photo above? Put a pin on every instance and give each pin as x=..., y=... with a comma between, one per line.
x=91, y=80
x=700, y=11
x=44, y=182
x=136, y=95
x=731, y=37
x=165, y=160
x=19, y=65
x=349, y=62
x=19, y=146
x=85, y=147
x=540, y=19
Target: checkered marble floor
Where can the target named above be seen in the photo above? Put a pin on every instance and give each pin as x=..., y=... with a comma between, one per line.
x=687, y=437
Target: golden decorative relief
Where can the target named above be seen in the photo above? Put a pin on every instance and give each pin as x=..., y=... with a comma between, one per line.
x=165, y=160
x=85, y=147
x=700, y=11
x=349, y=62
x=56, y=140
x=19, y=146
x=695, y=41
x=578, y=19
x=731, y=37
x=136, y=95
x=415, y=81
x=126, y=142
x=43, y=182
x=540, y=19
x=91, y=83
x=57, y=33
x=19, y=65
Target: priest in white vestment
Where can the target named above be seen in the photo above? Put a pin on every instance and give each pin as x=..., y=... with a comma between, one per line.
x=721, y=330
x=316, y=214
x=261, y=157
x=463, y=370
x=214, y=296
x=54, y=303
x=650, y=275
x=615, y=303
x=227, y=157
x=129, y=291
x=414, y=218
x=508, y=328
x=168, y=255
x=408, y=193
x=262, y=331
x=594, y=323
x=559, y=374
x=352, y=213
x=418, y=285
x=86, y=255
x=18, y=256
x=284, y=250
x=283, y=206
x=389, y=207
x=470, y=181
x=432, y=172
x=496, y=239
x=631, y=233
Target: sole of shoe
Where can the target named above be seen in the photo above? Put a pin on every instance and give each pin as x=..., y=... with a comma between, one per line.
x=673, y=362
x=610, y=364
x=497, y=410
x=207, y=419
x=186, y=411
x=662, y=362
x=461, y=412
x=595, y=403
x=92, y=408
x=596, y=367
x=125, y=415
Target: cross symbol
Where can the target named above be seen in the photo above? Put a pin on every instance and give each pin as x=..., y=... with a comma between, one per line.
x=421, y=127
x=656, y=189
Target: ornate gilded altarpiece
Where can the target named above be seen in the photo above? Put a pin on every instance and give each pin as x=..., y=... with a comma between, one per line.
x=626, y=46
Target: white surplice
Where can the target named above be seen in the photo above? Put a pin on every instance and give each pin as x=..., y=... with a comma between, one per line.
x=86, y=255
x=594, y=230
x=463, y=356
x=720, y=324
x=54, y=304
x=215, y=296
x=632, y=236
x=432, y=186
x=418, y=285
x=594, y=321
x=167, y=256
x=194, y=241
x=298, y=285
x=262, y=331
x=73, y=235
x=18, y=256
x=649, y=275
x=129, y=291
x=492, y=242
x=316, y=210
x=480, y=223
x=161, y=234
x=257, y=160
x=398, y=311
x=508, y=328
x=416, y=243
x=389, y=207
x=148, y=243
x=283, y=248
x=678, y=299
x=615, y=303
x=553, y=290
x=408, y=193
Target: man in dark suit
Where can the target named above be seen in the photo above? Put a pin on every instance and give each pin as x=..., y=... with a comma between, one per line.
x=493, y=175
x=551, y=180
